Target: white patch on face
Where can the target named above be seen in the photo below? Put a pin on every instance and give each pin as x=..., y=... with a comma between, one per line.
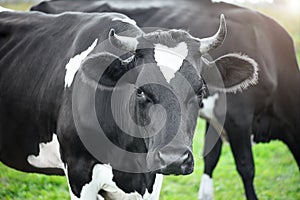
x=126, y=20
x=49, y=155
x=74, y=64
x=206, y=190
x=169, y=59
x=2, y=9
x=102, y=179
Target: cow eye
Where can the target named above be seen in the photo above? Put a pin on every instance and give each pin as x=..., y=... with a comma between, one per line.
x=141, y=94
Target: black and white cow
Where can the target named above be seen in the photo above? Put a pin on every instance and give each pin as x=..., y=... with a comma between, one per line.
x=270, y=110
x=62, y=88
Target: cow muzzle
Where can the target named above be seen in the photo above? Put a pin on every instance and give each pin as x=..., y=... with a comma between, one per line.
x=182, y=166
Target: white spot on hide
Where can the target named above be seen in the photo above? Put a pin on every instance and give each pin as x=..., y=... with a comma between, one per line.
x=252, y=140
x=126, y=20
x=206, y=190
x=102, y=179
x=169, y=59
x=49, y=155
x=74, y=64
x=207, y=112
x=156, y=188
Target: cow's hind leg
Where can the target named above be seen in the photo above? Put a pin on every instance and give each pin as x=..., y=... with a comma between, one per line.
x=240, y=142
x=212, y=151
x=292, y=140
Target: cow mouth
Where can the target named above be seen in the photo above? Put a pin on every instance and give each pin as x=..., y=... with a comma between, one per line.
x=183, y=166
x=179, y=170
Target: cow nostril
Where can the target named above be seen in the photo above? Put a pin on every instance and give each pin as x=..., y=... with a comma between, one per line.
x=187, y=166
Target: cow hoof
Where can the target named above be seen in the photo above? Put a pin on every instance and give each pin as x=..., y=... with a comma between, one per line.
x=206, y=191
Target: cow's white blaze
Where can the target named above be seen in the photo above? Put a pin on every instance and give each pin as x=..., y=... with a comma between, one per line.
x=49, y=155
x=169, y=59
x=126, y=20
x=2, y=9
x=75, y=62
x=206, y=191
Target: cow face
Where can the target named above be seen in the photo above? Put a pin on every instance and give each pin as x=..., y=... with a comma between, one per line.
x=148, y=103
x=142, y=110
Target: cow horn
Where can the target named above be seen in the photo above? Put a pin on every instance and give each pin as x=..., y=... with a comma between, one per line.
x=122, y=42
x=216, y=40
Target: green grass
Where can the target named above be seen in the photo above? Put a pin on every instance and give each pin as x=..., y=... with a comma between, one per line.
x=277, y=176
x=19, y=186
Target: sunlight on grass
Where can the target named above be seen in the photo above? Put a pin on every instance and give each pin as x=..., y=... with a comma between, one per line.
x=17, y=6
x=290, y=21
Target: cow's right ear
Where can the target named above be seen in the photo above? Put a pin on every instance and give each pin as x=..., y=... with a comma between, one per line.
x=230, y=73
x=104, y=69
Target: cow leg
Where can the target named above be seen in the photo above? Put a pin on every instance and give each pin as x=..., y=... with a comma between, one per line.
x=77, y=179
x=212, y=152
x=85, y=184
x=86, y=179
x=295, y=149
x=293, y=143
x=240, y=142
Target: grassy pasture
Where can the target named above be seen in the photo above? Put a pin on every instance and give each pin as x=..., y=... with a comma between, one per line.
x=277, y=175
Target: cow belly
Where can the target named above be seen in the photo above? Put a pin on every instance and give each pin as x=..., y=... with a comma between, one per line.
x=15, y=151
x=49, y=155
x=265, y=128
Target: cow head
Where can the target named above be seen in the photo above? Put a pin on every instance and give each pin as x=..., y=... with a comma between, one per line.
x=148, y=101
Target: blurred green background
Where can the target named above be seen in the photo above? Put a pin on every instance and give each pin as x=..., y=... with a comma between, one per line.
x=277, y=175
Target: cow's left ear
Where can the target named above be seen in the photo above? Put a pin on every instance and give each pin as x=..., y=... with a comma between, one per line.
x=104, y=69
x=230, y=73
